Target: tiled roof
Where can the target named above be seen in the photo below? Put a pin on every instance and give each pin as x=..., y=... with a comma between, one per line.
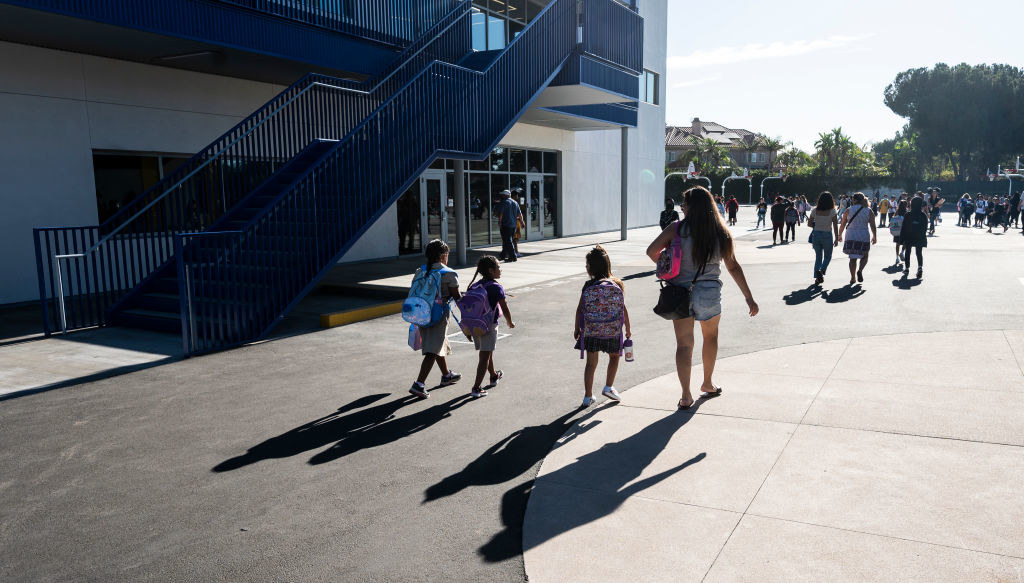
x=682, y=136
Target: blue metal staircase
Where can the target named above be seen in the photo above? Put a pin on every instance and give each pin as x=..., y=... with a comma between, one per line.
x=299, y=183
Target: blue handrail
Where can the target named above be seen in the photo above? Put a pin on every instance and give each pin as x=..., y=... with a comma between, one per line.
x=239, y=285
x=99, y=265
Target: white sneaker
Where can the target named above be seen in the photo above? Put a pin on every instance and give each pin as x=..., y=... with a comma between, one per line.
x=587, y=401
x=611, y=393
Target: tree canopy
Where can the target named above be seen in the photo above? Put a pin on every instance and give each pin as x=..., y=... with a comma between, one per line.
x=973, y=116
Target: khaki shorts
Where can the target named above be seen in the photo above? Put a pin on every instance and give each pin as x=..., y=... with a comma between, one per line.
x=488, y=341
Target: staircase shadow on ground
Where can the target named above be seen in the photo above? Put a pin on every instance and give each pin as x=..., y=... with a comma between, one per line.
x=352, y=431
x=618, y=464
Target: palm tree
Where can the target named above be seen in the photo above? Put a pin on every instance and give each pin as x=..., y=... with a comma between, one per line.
x=773, y=145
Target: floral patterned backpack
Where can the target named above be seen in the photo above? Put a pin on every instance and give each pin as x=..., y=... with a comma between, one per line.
x=603, y=313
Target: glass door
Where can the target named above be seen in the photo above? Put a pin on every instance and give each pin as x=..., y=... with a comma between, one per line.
x=534, y=211
x=434, y=206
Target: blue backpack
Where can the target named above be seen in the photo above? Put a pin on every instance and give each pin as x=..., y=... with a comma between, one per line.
x=424, y=306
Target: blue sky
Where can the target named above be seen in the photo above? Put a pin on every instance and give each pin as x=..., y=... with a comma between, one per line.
x=797, y=68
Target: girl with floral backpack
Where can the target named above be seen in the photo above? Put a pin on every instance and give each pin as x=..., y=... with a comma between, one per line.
x=600, y=317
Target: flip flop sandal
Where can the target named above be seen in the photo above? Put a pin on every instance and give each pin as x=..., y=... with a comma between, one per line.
x=681, y=407
x=711, y=394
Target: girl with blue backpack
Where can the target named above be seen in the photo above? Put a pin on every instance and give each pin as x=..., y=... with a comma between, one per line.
x=600, y=317
x=434, y=285
x=482, y=306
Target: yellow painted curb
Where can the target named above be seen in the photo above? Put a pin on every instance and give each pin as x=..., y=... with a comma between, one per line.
x=359, y=314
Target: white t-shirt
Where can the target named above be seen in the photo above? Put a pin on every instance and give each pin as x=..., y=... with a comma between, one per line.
x=980, y=207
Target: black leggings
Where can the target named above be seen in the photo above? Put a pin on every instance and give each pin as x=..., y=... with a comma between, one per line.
x=920, y=255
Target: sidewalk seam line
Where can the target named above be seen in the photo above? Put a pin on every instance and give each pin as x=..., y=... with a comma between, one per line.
x=776, y=462
x=912, y=540
x=1013, y=352
x=637, y=496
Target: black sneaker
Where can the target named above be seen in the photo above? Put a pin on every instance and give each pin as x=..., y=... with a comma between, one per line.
x=450, y=379
x=418, y=390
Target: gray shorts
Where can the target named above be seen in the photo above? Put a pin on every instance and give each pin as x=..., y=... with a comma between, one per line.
x=488, y=341
x=705, y=300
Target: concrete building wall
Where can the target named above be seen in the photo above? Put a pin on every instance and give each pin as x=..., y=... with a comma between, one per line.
x=56, y=107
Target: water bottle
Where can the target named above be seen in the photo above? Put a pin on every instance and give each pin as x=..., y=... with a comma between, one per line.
x=627, y=348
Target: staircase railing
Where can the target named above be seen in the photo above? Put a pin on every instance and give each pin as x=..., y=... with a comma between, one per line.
x=236, y=286
x=85, y=271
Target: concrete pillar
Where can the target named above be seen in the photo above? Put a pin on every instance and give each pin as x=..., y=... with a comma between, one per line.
x=460, y=212
x=625, y=181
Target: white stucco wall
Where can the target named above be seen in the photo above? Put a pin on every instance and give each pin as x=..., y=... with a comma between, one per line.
x=56, y=107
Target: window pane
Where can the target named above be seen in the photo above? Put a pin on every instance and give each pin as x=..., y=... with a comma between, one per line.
x=438, y=164
x=652, y=91
x=484, y=164
x=533, y=161
x=643, y=86
x=514, y=28
x=479, y=209
x=409, y=221
x=517, y=160
x=479, y=27
x=495, y=33
x=516, y=10
x=550, y=206
x=119, y=179
x=499, y=182
x=550, y=163
x=499, y=160
x=533, y=8
x=518, y=188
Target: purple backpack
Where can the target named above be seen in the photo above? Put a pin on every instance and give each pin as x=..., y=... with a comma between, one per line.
x=603, y=312
x=477, y=314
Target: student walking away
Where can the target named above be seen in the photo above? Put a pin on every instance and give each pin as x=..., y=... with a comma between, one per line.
x=600, y=317
x=762, y=209
x=883, y=211
x=935, y=202
x=914, y=235
x=721, y=207
x=961, y=207
x=732, y=207
x=482, y=306
x=695, y=292
x=427, y=307
x=508, y=218
x=1013, y=208
x=859, y=226
x=997, y=217
x=669, y=215
x=896, y=229
x=824, y=224
x=778, y=218
x=980, y=210
x=792, y=216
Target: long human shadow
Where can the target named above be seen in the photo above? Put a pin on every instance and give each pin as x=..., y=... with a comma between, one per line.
x=511, y=456
x=340, y=424
x=609, y=469
x=391, y=430
x=801, y=296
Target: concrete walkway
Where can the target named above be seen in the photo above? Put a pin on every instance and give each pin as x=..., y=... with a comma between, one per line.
x=845, y=460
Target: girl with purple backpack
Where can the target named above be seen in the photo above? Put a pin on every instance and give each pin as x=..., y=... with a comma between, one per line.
x=600, y=317
x=482, y=306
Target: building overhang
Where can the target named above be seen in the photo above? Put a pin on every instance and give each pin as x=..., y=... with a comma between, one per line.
x=277, y=61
